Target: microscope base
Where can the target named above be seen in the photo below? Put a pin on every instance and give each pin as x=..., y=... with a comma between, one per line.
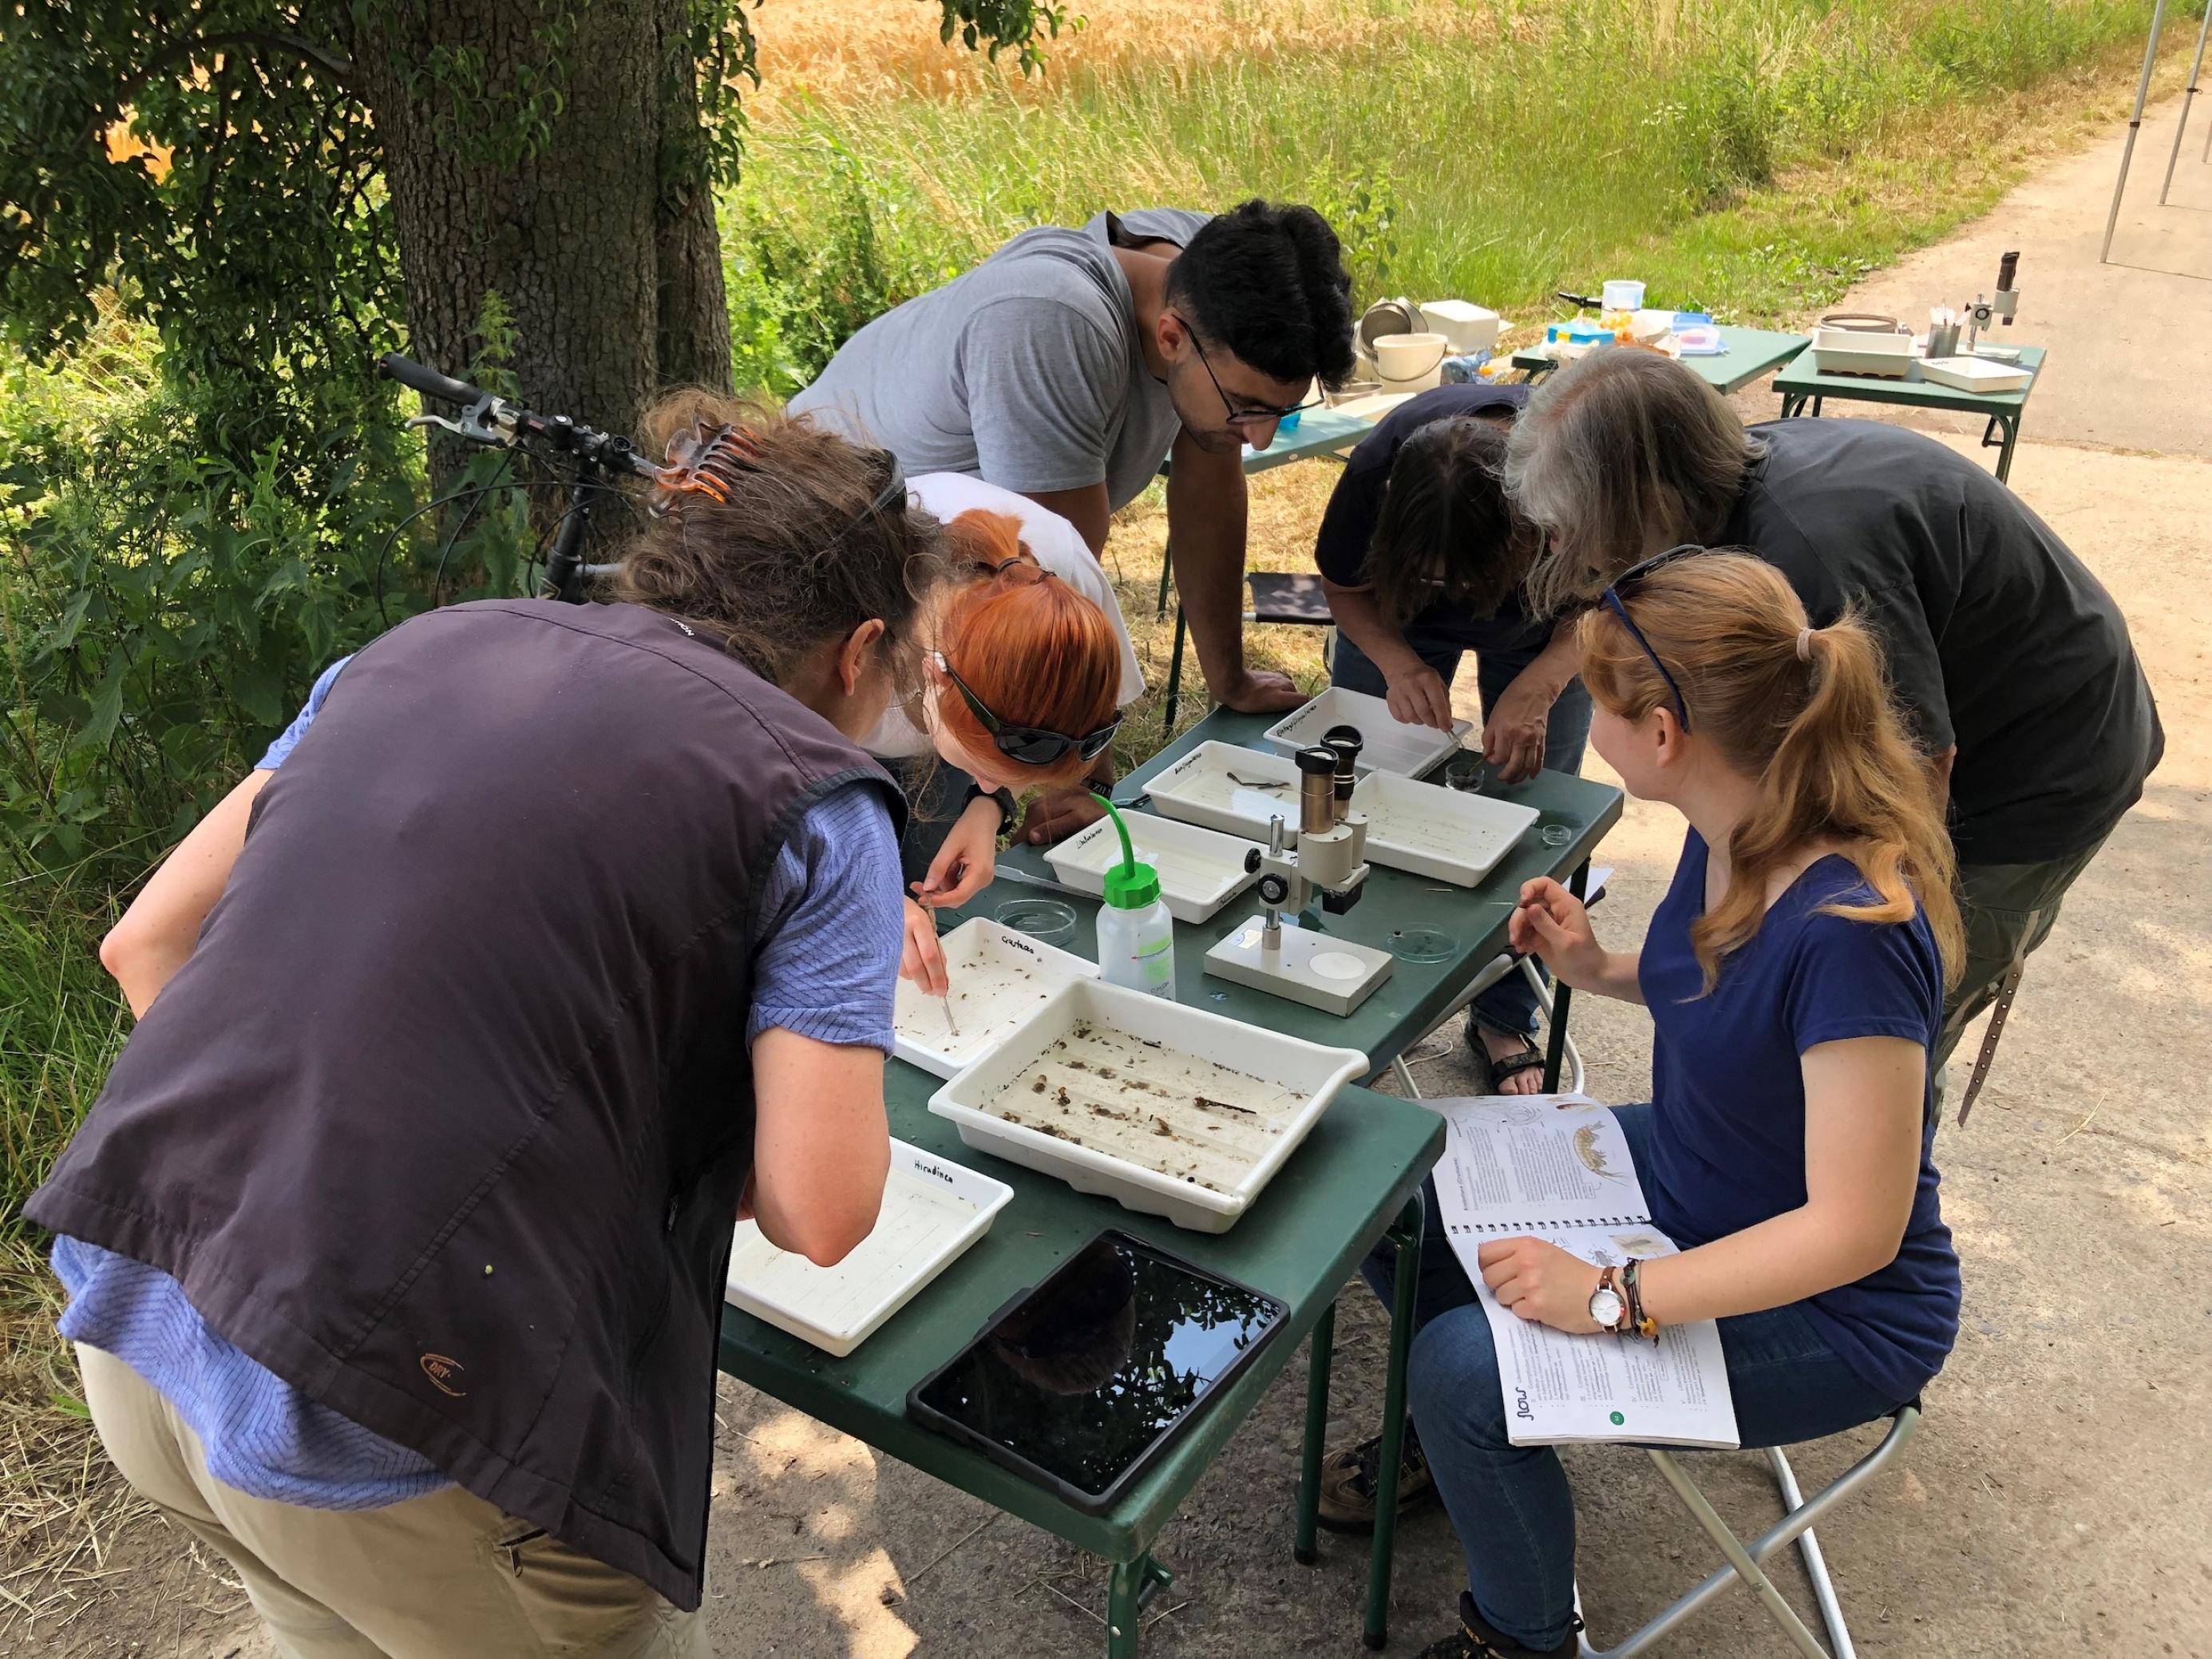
x=1332, y=975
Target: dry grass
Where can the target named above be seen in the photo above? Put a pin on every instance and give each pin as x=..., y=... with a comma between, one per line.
x=846, y=51
x=61, y=1505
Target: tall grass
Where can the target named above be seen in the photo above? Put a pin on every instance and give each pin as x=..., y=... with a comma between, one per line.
x=60, y=1022
x=1496, y=150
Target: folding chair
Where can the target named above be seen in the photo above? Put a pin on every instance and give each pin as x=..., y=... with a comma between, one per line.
x=1746, y=1561
x=1287, y=596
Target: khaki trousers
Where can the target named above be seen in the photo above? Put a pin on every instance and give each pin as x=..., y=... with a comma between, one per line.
x=444, y=1576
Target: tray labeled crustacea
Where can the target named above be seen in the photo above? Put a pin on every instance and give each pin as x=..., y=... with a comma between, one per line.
x=933, y=1209
x=1168, y=1111
x=995, y=979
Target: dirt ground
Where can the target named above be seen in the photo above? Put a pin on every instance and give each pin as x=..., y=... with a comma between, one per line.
x=2059, y=1497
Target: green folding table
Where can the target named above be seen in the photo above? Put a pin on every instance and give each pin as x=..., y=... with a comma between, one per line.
x=1355, y=1182
x=1801, y=385
x=1751, y=353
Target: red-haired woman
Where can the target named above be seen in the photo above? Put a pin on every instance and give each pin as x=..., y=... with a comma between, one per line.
x=1031, y=667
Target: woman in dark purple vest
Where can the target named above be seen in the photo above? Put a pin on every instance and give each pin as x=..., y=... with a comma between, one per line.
x=549, y=940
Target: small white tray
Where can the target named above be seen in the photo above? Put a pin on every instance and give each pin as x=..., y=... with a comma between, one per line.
x=1200, y=870
x=1976, y=373
x=1391, y=745
x=1435, y=831
x=1203, y=788
x=997, y=978
x=933, y=1209
x=1180, y=1113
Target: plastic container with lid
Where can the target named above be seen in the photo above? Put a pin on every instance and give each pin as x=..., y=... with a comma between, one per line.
x=1136, y=934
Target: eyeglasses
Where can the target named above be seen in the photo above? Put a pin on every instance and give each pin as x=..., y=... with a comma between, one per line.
x=1243, y=417
x=1637, y=573
x=1031, y=745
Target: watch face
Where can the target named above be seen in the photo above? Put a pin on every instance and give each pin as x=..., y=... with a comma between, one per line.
x=1605, y=1307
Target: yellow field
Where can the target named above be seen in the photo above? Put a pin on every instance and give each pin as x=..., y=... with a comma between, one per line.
x=850, y=51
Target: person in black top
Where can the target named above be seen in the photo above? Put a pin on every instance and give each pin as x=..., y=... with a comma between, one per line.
x=1422, y=559
x=2010, y=661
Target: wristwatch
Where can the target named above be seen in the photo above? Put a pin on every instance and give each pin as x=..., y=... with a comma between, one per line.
x=1605, y=1307
x=1005, y=798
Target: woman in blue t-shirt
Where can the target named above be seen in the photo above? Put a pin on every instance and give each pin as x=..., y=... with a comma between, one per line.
x=1795, y=973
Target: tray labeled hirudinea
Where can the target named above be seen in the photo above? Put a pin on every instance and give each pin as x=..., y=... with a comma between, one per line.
x=1390, y=744
x=996, y=978
x=1433, y=831
x=1168, y=1110
x=933, y=1209
x=1221, y=785
x=1200, y=870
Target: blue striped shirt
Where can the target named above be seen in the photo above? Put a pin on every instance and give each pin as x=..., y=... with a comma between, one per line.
x=826, y=953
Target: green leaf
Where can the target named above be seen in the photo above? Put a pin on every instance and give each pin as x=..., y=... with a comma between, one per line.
x=260, y=693
x=106, y=709
x=64, y=631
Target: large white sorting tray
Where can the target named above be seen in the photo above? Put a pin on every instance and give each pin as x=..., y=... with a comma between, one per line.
x=1200, y=870
x=1434, y=831
x=996, y=979
x=933, y=1209
x=1168, y=1111
x=1390, y=744
x=1235, y=790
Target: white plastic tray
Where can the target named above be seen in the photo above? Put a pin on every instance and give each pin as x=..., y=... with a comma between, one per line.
x=1168, y=1111
x=933, y=1209
x=1976, y=373
x=1203, y=787
x=1391, y=745
x=1435, y=831
x=997, y=978
x=1200, y=870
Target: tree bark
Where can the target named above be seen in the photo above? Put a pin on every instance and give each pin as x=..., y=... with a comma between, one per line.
x=613, y=278
x=694, y=311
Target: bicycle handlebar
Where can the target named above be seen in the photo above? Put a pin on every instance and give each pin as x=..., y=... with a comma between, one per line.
x=428, y=381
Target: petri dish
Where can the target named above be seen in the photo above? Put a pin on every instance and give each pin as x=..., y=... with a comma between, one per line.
x=1467, y=773
x=1556, y=835
x=1047, y=921
x=1422, y=945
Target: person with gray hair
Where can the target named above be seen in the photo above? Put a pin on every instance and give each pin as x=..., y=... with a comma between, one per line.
x=2012, y=664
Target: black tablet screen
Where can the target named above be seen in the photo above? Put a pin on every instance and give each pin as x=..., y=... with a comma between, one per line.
x=1095, y=1362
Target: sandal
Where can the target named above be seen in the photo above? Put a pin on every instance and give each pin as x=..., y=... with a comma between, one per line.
x=1530, y=1057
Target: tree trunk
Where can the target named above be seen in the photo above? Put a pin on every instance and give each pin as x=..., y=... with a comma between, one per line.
x=693, y=333
x=541, y=169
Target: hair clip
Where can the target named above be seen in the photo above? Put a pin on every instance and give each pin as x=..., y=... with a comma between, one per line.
x=707, y=460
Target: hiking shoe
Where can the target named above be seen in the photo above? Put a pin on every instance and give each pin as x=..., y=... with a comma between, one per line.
x=1348, y=1476
x=1473, y=1639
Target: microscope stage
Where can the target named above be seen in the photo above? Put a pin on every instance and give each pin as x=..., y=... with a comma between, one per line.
x=1332, y=975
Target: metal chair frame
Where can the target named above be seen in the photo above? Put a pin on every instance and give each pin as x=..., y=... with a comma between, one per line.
x=1746, y=1562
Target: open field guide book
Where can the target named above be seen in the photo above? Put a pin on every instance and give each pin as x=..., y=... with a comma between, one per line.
x=1556, y=1167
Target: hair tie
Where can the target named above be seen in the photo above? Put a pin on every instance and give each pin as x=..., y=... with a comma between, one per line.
x=1804, y=644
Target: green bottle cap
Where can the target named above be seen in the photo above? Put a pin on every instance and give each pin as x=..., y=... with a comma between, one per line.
x=1129, y=885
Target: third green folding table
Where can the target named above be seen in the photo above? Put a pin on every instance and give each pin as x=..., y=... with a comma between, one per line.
x=1751, y=353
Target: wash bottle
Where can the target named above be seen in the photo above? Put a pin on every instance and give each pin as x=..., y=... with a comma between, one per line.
x=1136, y=934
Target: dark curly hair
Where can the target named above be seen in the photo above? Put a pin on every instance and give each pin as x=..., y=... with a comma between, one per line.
x=1268, y=282
x=794, y=556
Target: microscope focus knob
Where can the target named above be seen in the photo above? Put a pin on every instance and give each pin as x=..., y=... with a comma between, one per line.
x=1274, y=888
x=1251, y=860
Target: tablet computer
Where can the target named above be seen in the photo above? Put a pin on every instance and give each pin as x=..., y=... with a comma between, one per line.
x=1080, y=1384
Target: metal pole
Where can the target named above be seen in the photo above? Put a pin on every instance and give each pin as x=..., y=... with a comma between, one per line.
x=2127, y=154
x=2188, y=98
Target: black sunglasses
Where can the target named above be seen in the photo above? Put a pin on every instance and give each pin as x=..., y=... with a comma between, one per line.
x=1637, y=573
x=1243, y=417
x=1032, y=745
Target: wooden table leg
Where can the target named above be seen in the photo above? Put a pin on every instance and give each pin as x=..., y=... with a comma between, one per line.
x=1555, y=1048
x=1405, y=1283
x=1324, y=1347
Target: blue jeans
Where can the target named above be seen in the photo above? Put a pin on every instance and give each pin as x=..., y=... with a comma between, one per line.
x=1509, y=1505
x=1509, y=1005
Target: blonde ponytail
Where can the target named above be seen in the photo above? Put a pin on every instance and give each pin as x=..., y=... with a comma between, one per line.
x=1805, y=710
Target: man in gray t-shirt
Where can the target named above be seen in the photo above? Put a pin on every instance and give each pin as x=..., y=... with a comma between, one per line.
x=1072, y=362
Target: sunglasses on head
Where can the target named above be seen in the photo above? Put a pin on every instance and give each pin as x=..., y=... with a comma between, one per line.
x=1612, y=598
x=1031, y=745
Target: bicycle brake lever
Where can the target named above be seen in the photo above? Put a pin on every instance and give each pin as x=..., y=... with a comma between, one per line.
x=476, y=426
